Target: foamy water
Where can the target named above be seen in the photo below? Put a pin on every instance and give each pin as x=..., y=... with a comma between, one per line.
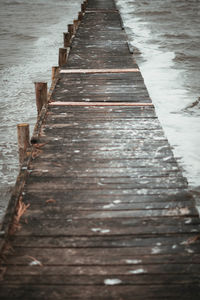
x=31, y=34
x=166, y=33
x=165, y=36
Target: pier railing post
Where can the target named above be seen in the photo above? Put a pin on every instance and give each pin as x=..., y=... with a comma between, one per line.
x=83, y=7
x=66, y=39
x=80, y=16
x=76, y=22
x=71, y=30
x=62, y=57
x=55, y=71
x=41, y=95
x=23, y=140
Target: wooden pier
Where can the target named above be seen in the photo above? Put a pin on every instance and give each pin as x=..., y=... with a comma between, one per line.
x=100, y=209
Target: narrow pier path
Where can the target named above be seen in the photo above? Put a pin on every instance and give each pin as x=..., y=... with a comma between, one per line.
x=110, y=215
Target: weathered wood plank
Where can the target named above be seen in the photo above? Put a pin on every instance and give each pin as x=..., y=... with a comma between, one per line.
x=60, y=206
x=58, y=213
x=91, y=71
x=172, y=242
x=59, y=103
x=128, y=260
x=116, y=226
x=106, y=292
x=106, y=197
x=79, y=280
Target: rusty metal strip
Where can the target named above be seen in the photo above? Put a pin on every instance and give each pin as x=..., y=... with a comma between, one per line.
x=93, y=71
x=60, y=103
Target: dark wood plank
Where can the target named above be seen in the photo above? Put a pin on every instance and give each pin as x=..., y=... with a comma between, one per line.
x=100, y=292
x=37, y=226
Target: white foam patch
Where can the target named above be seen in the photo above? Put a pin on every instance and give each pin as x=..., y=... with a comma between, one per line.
x=190, y=250
x=112, y=281
x=76, y=151
x=133, y=261
x=142, y=192
x=184, y=211
x=189, y=221
x=198, y=208
x=117, y=201
x=108, y=206
x=167, y=158
x=155, y=250
x=105, y=231
x=35, y=263
x=138, y=271
x=100, y=230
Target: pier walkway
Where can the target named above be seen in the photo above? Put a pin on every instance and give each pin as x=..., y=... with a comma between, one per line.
x=108, y=214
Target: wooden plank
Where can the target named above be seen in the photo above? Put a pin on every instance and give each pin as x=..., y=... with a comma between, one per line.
x=59, y=103
x=91, y=10
x=58, y=205
x=93, y=71
x=123, y=292
x=168, y=243
x=121, y=260
x=153, y=270
x=104, y=198
x=133, y=227
x=80, y=280
x=57, y=213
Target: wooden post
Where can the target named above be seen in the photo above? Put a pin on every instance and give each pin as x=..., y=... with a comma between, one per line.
x=75, y=25
x=85, y=3
x=41, y=95
x=23, y=140
x=71, y=30
x=80, y=16
x=83, y=7
x=62, y=57
x=66, y=38
x=55, y=71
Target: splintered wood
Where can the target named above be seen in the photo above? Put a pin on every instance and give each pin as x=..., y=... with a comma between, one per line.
x=109, y=212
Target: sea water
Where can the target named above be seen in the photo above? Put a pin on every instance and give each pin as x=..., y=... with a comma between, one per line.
x=165, y=36
x=31, y=33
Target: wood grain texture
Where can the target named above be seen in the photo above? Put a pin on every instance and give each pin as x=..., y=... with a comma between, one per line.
x=110, y=215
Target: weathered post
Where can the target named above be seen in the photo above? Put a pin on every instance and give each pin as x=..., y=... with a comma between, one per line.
x=55, y=71
x=41, y=95
x=71, y=30
x=66, y=38
x=62, y=57
x=75, y=25
x=83, y=7
x=85, y=3
x=23, y=140
x=80, y=16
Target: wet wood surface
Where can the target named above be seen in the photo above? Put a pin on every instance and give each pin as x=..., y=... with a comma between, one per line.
x=109, y=214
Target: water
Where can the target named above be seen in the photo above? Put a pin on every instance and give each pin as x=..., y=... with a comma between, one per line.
x=165, y=37
x=30, y=34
